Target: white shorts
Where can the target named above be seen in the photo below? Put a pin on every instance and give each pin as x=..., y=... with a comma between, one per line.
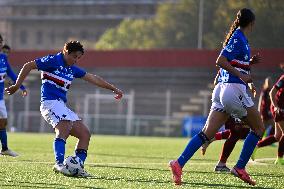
x=3, y=111
x=54, y=111
x=231, y=98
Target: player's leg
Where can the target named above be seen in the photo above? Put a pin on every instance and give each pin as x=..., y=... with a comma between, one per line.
x=257, y=129
x=238, y=103
x=214, y=121
x=80, y=131
x=218, y=136
x=3, y=134
x=236, y=134
x=3, y=131
x=62, y=132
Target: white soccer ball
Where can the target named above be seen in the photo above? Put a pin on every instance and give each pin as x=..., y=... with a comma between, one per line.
x=73, y=164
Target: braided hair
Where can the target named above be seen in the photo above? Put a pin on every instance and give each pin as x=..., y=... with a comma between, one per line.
x=244, y=18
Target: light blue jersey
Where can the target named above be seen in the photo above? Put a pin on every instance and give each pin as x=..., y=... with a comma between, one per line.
x=237, y=52
x=56, y=76
x=5, y=69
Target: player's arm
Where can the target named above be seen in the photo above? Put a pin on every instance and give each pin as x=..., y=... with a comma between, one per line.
x=272, y=93
x=26, y=69
x=259, y=101
x=13, y=76
x=100, y=82
x=223, y=63
x=216, y=78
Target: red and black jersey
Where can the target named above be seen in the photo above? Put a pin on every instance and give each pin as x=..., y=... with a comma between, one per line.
x=279, y=97
x=265, y=104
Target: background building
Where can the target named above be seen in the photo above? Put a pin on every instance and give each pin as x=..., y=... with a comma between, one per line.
x=47, y=24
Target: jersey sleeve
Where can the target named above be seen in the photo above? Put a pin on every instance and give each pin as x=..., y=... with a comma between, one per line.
x=78, y=72
x=280, y=83
x=46, y=63
x=12, y=75
x=232, y=49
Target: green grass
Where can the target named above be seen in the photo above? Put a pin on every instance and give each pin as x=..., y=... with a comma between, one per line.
x=127, y=162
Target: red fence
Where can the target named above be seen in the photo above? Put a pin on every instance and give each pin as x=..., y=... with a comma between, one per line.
x=151, y=58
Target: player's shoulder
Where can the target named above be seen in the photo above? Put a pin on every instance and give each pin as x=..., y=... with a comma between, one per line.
x=49, y=58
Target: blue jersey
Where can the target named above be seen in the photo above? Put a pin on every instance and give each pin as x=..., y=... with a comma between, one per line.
x=5, y=68
x=237, y=52
x=56, y=76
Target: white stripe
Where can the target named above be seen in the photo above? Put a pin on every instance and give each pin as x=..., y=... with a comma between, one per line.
x=240, y=62
x=242, y=70
x=57, y=77
x=51, y=82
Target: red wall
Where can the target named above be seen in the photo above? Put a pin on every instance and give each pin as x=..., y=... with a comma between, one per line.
x=150, y=58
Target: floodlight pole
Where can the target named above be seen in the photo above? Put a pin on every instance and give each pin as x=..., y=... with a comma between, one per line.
x=200, y=24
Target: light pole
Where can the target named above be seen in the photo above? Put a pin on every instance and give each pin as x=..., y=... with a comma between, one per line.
x=200, y=24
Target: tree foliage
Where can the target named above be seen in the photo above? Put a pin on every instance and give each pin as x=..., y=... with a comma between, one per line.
x=176, y=26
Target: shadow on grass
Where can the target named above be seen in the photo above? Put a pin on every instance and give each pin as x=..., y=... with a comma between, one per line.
x=267, y=175
x=148, y=169
x=157, y=181
x=27, y=184
x=153, y=157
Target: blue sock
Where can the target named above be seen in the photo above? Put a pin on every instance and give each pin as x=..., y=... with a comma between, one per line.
x=82, y=154
x=3, y=138
x=248, y=147
x=193, y=145
x=59, y=150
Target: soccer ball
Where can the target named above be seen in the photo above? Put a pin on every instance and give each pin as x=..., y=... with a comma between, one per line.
x=73, y=164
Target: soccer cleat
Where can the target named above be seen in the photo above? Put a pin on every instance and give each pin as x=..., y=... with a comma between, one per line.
x=176, y=171
x=221, y=168
x=60, y=168
x=243, y=175
x=83, y=173
x=253, y=154
x=9, y=153
x=279, y=161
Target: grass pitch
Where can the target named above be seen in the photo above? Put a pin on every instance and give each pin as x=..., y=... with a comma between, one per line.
x=129, y=162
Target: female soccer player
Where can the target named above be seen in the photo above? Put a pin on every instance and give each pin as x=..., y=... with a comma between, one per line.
x=266, y=116
x=57, y=73
x=230, y=97
x=277, y=109
x=5, y=69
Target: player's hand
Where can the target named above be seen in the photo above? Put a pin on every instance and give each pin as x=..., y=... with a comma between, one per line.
x=24, y=92
x=12, y=89
x=118, y=93
x=252, y=89
x=255, y=59
x=246, y=78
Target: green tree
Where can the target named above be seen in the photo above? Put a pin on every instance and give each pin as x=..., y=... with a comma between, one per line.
x=176, y=26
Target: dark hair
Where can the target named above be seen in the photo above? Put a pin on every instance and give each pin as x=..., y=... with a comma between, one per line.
x=73, y=46
x=1, y=38
x=244, y=18
x=6, y=47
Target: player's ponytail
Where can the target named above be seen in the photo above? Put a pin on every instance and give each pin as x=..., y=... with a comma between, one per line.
x=244, y=18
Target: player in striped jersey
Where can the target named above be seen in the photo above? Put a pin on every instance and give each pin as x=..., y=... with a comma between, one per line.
x=57, y=73
x=5, y=69
x=230, y=98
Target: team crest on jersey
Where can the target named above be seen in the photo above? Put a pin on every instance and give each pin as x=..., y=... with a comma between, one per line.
x=229, y=48
x=46, y=58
